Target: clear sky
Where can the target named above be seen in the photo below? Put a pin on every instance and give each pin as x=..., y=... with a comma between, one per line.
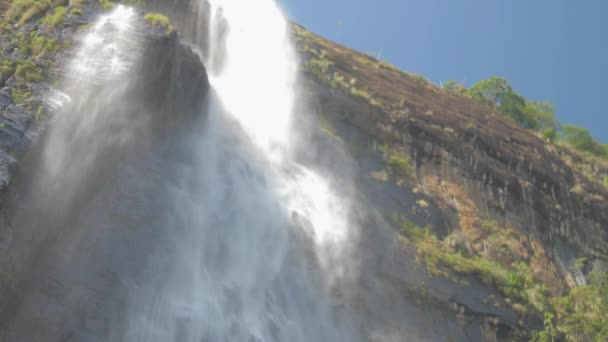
x=554, y=50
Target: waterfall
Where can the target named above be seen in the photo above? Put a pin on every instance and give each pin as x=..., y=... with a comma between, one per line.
x=153, y=225
x=261, y=235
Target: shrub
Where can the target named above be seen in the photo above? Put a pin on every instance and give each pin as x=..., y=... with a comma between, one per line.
x=400, y=167
x=76, y=11
x=582, y=315
x=39, y=45
x=106, y=5
x=7, y=67
x=29, y=71
x=581, y=139
x=577, y=189
x=441, y=260
x=454, y=86
x=33, y=10
x=20, y=95
x=550, y=134
x=55, y=18
x=16, y=8
x=160, y=20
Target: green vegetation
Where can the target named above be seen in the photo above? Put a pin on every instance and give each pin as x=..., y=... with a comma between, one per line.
x=582, y=315
x=39, y=113
x=581, y=139
x=28, y=71
x=328, y=128
x=455, y=87
x=35, y=9
x=441, y=259
x=577, y=189
x=22, y=11
x=20, y=95
x=55, y=18
x=496, y=93
x=7, y=67
x=106, y=5
x=40, y=45
x=400, y=167
x=160, y=20
x=76, y=11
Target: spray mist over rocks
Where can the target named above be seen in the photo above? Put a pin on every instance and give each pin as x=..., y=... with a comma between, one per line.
x=203, y=230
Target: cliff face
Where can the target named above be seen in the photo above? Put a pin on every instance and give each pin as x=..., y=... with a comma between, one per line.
x=49, y=171
x=421, y=155
x=486, y=186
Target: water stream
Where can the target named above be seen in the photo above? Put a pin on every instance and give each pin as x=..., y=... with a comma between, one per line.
x=213, y=232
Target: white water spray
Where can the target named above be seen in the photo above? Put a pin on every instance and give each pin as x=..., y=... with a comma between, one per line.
x=256, y=85
x=212, y=233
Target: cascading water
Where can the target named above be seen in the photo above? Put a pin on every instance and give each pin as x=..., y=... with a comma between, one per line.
x=252, y=262
x=212, y=233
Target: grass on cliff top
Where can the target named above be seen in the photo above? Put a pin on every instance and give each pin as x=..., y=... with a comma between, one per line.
x=160, y=20
x=22, y=11
x=55, y=18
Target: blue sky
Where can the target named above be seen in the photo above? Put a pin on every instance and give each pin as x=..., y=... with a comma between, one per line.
x=554, y=50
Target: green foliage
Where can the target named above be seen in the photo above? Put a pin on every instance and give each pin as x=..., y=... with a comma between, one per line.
x=159, y=19
x=540, y=116
x=106, y=5
x=489, y=225
x=497, y=93
x=76, y=11
x=581, y=139
x=56, y=18
x=577, y=189
x=20, y=95
x=7, y=67
x=319, y=67
x=40, y=45
x=454, y=86
x=17, y=8
x=400, y=167
x=443, y=258
x=35, y=9
x=28, y=71
x=550, y=134
x=491, y=92
x=39, y=113
x=582, y=315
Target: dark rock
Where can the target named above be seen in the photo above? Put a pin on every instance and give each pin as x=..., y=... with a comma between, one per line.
x=5, y=98
x=8, y=165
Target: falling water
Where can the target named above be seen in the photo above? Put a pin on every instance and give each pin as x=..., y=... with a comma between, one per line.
x=252, y=262
x=212, y=233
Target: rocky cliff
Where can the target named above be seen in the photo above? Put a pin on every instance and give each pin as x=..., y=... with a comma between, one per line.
x=164, y=93
x=468, y=222
x=484, y=186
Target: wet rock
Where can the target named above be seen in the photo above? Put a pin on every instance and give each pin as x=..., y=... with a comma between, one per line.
x=8, y=165
x=5, y=98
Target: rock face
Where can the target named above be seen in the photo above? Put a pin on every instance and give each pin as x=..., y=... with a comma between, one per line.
x=471, y=169
x=164, y=93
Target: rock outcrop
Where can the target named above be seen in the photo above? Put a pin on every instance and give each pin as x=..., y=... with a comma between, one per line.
x=166, y=91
